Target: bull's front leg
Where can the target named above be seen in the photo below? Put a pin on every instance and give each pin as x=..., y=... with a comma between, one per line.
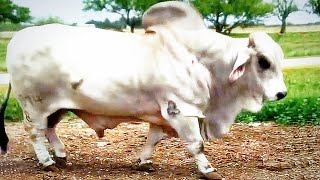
x=188, y=130
x=155, y=134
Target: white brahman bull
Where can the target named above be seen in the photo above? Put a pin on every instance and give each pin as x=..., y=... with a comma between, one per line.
x=182, y=78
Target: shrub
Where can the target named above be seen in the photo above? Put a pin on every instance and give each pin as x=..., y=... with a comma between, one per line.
x=11, y=27
x=13, y=110
x=293, y=111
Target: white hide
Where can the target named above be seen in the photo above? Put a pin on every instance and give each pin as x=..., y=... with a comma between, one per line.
x=121, y=74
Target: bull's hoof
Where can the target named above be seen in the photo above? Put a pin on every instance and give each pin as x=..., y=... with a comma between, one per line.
x=61, y=162
x=213, y=175
x=51, y=168
x=147, y=167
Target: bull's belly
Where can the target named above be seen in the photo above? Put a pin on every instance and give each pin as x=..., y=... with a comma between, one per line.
x=101, y=122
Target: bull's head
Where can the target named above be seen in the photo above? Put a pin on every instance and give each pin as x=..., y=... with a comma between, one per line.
x=245, y=72
x=257, y=69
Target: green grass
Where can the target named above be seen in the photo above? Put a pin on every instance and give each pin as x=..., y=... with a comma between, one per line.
x=296, y=44
x=301, y=106
x=3, y=49
x=299, y=44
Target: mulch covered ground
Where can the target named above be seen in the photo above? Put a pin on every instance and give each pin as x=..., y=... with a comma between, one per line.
x=257, y=151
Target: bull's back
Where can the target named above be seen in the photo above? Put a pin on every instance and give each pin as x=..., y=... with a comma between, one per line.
x=47, y=61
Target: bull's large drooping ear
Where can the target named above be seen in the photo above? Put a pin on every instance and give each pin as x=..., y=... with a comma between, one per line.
x=239, y=66
x=173, y=13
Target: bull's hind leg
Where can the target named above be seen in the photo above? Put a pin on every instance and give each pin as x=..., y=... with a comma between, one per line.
x=37, y=135
x=54, y=140
x=189, y=131
x=155, y=134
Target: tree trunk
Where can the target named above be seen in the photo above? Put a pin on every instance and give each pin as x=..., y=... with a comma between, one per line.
x=132, y=28
x=132, y=24
x=219, y=28
x=283, y=26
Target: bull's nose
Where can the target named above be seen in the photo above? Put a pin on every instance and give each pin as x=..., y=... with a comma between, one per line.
x=281, y=95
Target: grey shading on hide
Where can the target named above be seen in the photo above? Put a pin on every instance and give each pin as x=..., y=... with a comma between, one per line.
x=175, y=14
x=172, y=108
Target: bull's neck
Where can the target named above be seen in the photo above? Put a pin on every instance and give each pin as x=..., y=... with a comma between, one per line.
x=226, y=98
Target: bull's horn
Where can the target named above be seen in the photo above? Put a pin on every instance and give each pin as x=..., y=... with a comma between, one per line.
x=173, y=13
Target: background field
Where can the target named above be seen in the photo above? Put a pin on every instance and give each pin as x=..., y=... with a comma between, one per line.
x=3, y=49
x=296, y=44
x=276, y=29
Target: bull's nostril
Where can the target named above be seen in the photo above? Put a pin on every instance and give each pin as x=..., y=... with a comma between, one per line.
x=281, y=95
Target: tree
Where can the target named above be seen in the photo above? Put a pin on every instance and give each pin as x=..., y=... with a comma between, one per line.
x=282, y=10
x=314, y=5
x=13, y=13
x=130, y=10
x=226, y=15
x=118, y=25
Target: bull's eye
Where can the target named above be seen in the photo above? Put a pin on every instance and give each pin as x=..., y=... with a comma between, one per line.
x=264, y=63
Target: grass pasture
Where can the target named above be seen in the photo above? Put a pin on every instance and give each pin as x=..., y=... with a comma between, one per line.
x=296, y=44
x=276, y=29
x=299, y=44
x=3, y=49
x=300, y=107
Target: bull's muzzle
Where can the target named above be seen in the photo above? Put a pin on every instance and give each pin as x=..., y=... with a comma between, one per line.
x=281, y=95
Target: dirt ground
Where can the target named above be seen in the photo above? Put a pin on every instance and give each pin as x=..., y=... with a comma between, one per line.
x=257, y=151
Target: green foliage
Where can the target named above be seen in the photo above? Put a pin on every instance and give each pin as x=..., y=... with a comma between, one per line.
x=10, y=12
x=107, y=24
x=282, y=10
x=300, y=107
x=131, y=11
x=314, y=5
x=241, y=12
x=13, y=111
x=49, y=20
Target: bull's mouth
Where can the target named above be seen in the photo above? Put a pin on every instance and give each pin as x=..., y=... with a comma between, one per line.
x=264, y=99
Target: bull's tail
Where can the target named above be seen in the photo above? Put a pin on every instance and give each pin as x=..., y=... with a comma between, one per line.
x=3, y=135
